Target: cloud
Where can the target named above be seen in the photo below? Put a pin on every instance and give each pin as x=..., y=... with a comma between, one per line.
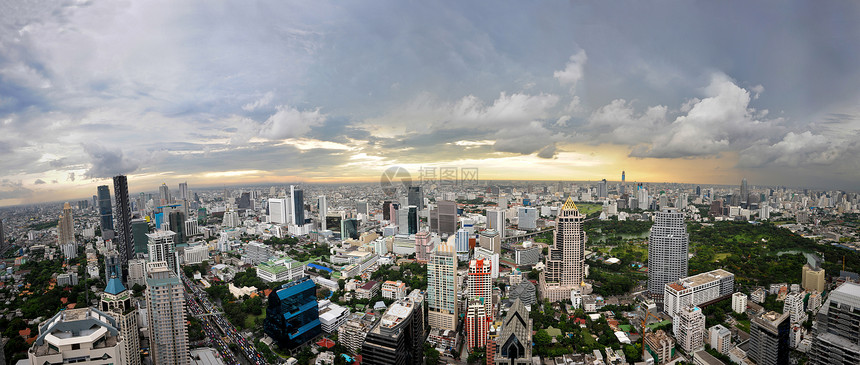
x=289, y=122
x=527, y=139
x=70, y=177
x=106, y=162
x=618, y=122
x=797, y=149
x=259, y=103
x=573, y=71
x=13, y=190
x=39, y=182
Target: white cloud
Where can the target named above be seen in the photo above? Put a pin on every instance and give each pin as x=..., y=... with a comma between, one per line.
x=794, y=150
x=573, y=71
x=259, y=103
x=289, y=122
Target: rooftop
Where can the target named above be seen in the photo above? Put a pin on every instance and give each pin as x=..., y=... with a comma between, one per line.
x=705, y=277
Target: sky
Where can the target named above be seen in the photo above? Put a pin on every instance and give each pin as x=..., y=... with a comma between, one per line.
x=215, y=92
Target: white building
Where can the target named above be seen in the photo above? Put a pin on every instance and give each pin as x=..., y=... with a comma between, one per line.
x=527, y=218
x=165, y=304
x=739, y=302
x=720, y=339
x=496, y=221
x=331, y=315
x=231, y=219
x=86, y=336
x=280, y=269
x=162, y=248
x=196, y=254
x=393, y=289
x=794, y=305
x=689, y=327
x=191, y=228
x=483, y=253
x=278, y=211
x=256, y=252
x=697, y=290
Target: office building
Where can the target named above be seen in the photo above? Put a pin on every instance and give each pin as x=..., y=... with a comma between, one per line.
x=739, y=302
x=322, y=205
x=139, y=229
x=176, y=221
x=527, y=253
x=813, y=278
x=565, y=264
x=720, y=339
x=527, y=218
x=292, y=317
x=491, y=240
x=298, y=205
x=66, y=226
x=165, y=310
x=793, y=305
x=444, y=217
x=411, y=219
x=602, y=191
x=256, y=252
x=113, y=265
x=196, y=254
x=423, y=246
x=524, y=290
x=661, y=346
x=353, y=332
x=76, y=336
x=398, y=338
x=117, y=302
x=698, y=290
x=278, y=211
x=461, y=243
x=496, y=221
x=280, y=269
x=162, y=248
x=70, y=250
x=361, y=207
x=477, y=324
x=837, y=333
x=769, y=342
x=349, y=229
x=442, y=288
x=689, y=327
x=105, y=212
x=415, y=197
x=231, y=219
x=745, y=194
x=124, y=241
x=191, y=228
x=668, y=247
x=514, y=342
x=480, y=284
x=2, y=234
x=164, y=195
x=136, y=272
x=491, y=257
x=331, y=315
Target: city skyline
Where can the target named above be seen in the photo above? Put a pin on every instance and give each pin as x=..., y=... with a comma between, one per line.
x=329, y=92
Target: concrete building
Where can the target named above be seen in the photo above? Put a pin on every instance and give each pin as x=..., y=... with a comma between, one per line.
x=85, y=335
x=165, y=309
x=527, y=254
x=196, y=254
x=117, y=301
x=668, y=247
x=769, y=342
x=279, y=211
x=280, y=269
x=353, y=332
x=480, y=285
x=162, y=248
x=793, y=305
x=660, y=346
x=124, y=241
x=813, y=279
x=423, y=246
x=477, y=325
x=369, y=290
x=331, y=316
x=527, y=218
x=696, y=290
x=136, y=272
x=493, y=258
x=496, y=221
x=461, y=244
x=720, y=339
x=66, y=226
x=444, y=217
x=689, y=328
x=739, y=302
x=398, y=338
x=565, y=264
x=442, y=288
x=837, y=335
x=393, y=289
x=513, y=343
x=491, y=240
x=256, y=252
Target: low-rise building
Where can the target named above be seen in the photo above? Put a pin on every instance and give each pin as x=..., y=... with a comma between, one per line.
x=332, y=315
x=698, y=290
x=369, y=290
x=280, y=269
x=393, y=289
x=739, y=302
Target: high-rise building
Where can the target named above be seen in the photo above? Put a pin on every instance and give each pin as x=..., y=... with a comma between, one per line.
x=105, y=212
x=278, y=212
x=66, y=226
x=668, y=246
x=444, y=217
x=113, y=266
x=491, y=240
x=183, y=191
x=411, y=219
x=165, y=309
x=163, y=195
x=477, y=324
x=176, y=219
x=386, y=210
x=793, y=305
x=739, y=302
x=136, y=272
x=492, y=257
x=2, y=234
x=527, y=218
x=837, y=334
x=423, y=246
x=720, y=339
x=362, y=207
x=124, y=237
x=769, y=338
x=701, y=289
x=565, y=264
x=514, y=342
x=812, y=278
x=349, y=228
x=117, y=301
x=480, y=284
x=660, y=346
x=398, y=338
x=745, y=193
x=162, y=248
x=689, y=327
x=292, y=317
x=442, y=288
x=496, y=221
x=298, y=205
x=83, y=335
x=139, y=229
x=461, y=244
x=415, y=196
x=602, y=191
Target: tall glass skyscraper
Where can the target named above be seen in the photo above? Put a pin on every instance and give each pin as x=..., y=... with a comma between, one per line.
x=298, y=197
x=105, y=210
x=668, y=246
x=292, y=317
x=124, y=237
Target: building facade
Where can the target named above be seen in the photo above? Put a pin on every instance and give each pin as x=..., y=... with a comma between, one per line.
x=769, y=338
x=292, y=317
x=398, y=338
x=668, y=247
x=698, y=290
x=689, y=327
x=442, y=288
x=565, y=264
x=165, y=309
x=837, y=334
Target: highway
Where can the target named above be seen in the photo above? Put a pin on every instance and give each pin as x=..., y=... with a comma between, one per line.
x=210, y=312
x=208, y=328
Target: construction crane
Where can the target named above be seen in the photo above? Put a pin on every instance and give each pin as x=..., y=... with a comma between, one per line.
x=644, y=328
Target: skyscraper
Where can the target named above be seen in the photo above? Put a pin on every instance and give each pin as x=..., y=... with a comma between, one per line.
x=298, y=200
x=461, y=244
x=323, y=210
x=415, y=196
x=689, y=327
x=837, y=336
x=292, y=317
x=163, y=194
x=162, y=248
x=496, y=221
x=423, y=246
x=113, y=266
x=769, y=338
x=176, y=219
x=105, y=212
x=66, y=226
x=124, y=238
x=444, y=217
x=165, y=304
x=398, y=338
x=565, y=264
x=2, y=234
x=602, y=190
x=139, y=229
x=442, y=288
x=386, y=210
x=183, y=191
x=745, y=193
x=477, y=324
x=668, y=247
x=117, y=301
x=278, y=211
x=527, y=218
x=480, y=284
x=412, y=219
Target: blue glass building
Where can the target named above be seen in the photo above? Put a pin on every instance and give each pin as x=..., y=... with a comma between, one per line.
x=292, y=317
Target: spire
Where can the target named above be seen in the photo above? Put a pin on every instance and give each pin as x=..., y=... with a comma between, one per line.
x=114, y=286
x=569, y=204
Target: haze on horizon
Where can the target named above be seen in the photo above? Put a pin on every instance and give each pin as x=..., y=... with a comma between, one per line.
x=271, y=92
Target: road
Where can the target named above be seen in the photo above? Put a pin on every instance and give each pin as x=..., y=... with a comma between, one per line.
x=210, y=312
x=208, y=328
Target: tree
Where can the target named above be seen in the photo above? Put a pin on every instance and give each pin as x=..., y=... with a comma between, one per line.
x=542, y=338
x=431, y=355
